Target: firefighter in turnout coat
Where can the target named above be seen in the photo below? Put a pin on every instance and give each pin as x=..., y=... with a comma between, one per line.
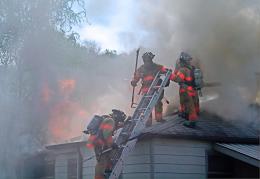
x=146, y=73
x=183, y=75
x=103, y=140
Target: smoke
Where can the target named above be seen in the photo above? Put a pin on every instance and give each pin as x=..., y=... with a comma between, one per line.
x=223, y=35
x=36, y=79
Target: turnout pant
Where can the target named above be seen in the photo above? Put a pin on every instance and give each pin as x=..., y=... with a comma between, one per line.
x=187, y=106
x=103, y=163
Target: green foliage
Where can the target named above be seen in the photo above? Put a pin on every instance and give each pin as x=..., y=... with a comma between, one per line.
x=110, y=53
x=8, y=53
x=65, y=16
x=21, y=19
x=37, y=46
x=29, y=14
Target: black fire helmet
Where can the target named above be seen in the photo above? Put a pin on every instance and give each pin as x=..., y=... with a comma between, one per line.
x=185, y=57
x=118, y=116
x=148, y=56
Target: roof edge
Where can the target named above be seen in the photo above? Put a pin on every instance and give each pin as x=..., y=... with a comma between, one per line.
x=203, y=138
x=148, y=136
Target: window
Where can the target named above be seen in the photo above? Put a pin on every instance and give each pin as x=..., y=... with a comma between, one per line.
x=50, y=169
x=72, y=169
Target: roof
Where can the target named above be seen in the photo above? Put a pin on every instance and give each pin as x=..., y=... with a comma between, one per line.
x=209, y=127
x=247, y=153
x=76, y=141
x=64, y=145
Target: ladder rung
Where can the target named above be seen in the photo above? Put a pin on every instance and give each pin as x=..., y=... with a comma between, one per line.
x=137, y=119
x=141, y=109
x=124, y=133
x=148, y=96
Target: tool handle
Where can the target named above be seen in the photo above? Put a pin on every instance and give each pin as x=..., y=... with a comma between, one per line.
x=136, y=63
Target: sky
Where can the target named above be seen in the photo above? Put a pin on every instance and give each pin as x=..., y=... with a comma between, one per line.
x=112, y=25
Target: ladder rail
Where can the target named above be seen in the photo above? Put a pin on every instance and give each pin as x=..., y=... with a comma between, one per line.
x=149, y=109
x=137, y=111
x=145, y=96
x=138, y=122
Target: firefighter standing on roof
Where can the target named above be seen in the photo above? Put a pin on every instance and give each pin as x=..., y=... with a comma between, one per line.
x=183, y=74
x=103, y=140
x=147, y=73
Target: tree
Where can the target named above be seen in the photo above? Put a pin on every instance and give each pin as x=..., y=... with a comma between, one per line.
x=32, y=34
x=20, y=19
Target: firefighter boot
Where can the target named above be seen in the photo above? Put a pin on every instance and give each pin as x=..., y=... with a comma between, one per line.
x=193, y=124
x=190, y=124
x=158, y=112
x=107, y=173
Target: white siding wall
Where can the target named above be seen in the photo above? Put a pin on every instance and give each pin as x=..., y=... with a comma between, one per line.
x=173, y=158
x=138, y=164
x=61, y=162
x=88, y=170
x=152, y=159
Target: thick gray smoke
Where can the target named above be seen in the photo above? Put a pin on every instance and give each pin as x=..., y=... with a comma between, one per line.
x=223, y=35
x=32, y=53
x=50, y=85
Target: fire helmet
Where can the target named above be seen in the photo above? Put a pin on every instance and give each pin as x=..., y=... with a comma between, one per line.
x=185, y=57
x=118, y=116
x=148, y=56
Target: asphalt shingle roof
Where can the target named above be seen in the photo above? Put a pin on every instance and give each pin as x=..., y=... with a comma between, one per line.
x=209, y=127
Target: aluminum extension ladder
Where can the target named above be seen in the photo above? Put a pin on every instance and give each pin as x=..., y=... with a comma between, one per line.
x=134, y=127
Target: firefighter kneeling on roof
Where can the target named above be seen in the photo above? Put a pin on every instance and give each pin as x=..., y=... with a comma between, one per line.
x=101, y=130
x=189, y=99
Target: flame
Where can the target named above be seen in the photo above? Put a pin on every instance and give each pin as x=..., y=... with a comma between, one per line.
x=66, y=116
x=67, y=86
x=46, y=93
x=66, y=120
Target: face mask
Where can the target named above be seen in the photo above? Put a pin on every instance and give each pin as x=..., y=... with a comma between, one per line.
x=147, y=62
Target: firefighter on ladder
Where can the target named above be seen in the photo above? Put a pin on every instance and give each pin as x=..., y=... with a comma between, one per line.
x=147, y=73
x=103, y=140
x=189, y=100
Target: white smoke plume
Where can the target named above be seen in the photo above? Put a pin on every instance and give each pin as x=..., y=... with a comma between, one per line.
x=223, y=35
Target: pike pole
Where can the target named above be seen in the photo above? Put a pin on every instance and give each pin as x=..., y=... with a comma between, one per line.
x=133, y=92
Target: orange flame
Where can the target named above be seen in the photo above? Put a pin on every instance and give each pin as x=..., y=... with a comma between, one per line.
x=67, y=86
x=46, y=93
x=66, y=120
x=67, y=116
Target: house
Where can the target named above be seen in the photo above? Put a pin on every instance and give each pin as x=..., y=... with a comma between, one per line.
x=216, y=148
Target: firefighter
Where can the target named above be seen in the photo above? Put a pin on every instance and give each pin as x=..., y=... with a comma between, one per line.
x=183, y=74
x=103, y=140
x=147, y=73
